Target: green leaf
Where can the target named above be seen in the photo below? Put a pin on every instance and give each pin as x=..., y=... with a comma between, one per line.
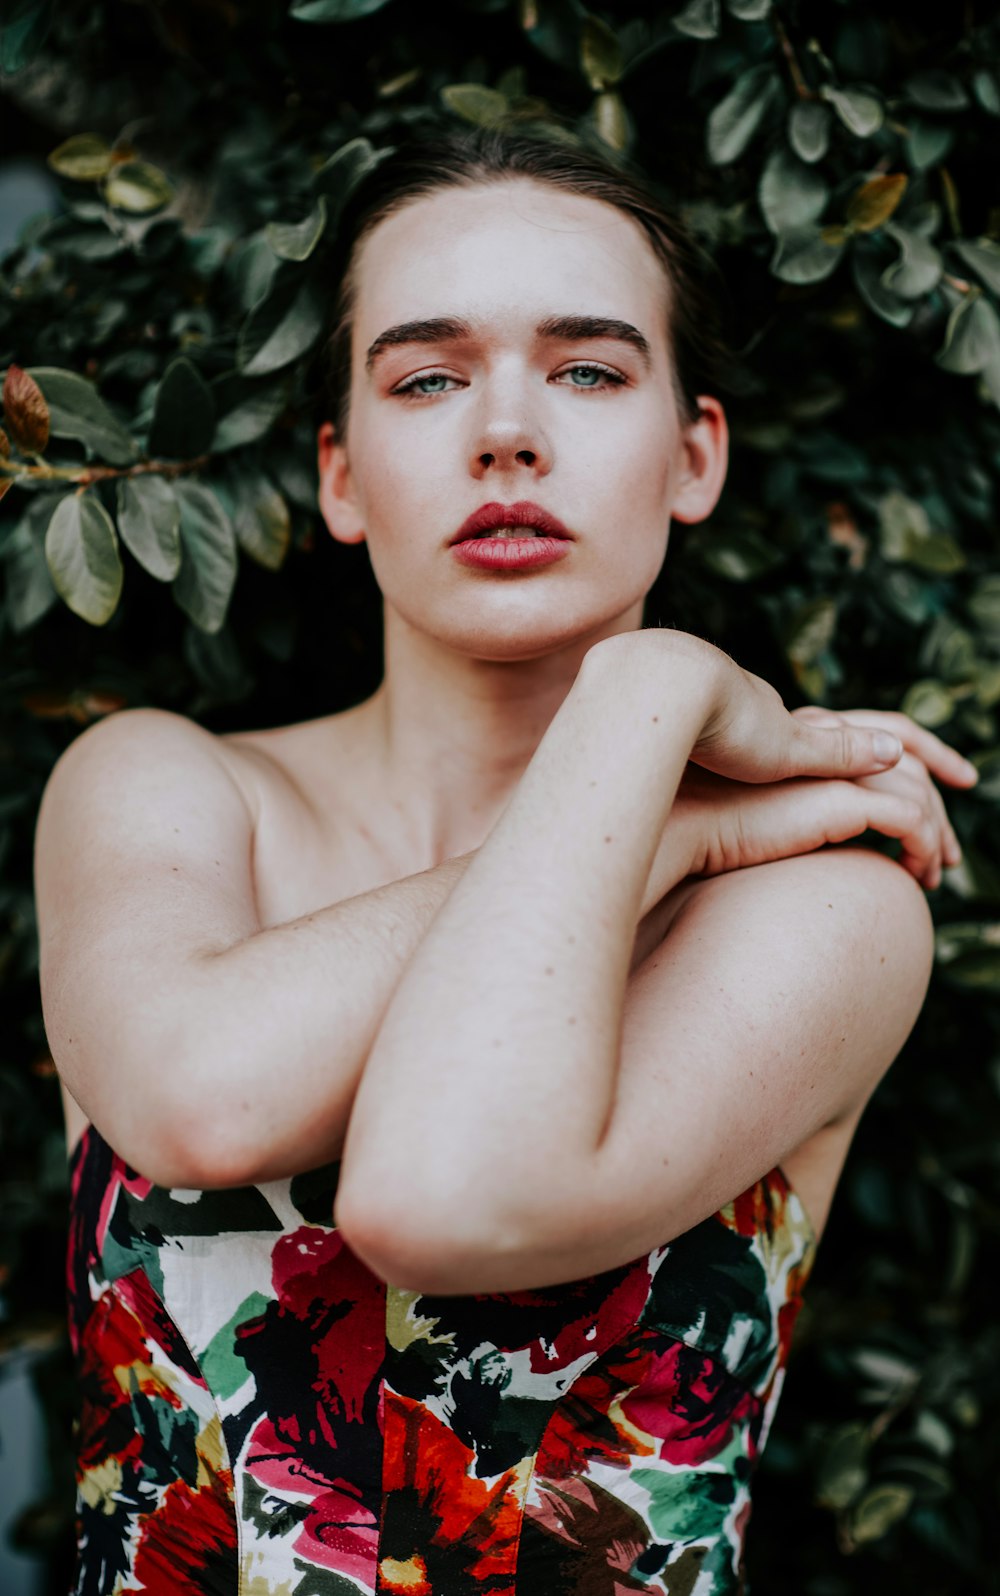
x=734, y=121
x=876, y=1513
x=748, y=10
x=262, y=520
x=699, y=19
x=986, y=88
x=810, y=631
x=809, y=129
x=930, y=703
x=791, y=194
x=972, y=337
x=843, y=1471
x=869, y=279
x=611, y=120
x=919, y=267
x=282, y=327
x=138, y=187
x=333, y=10
x=936, y=90
x=297, y=240
x=927, y=142
x=85, y=157
x=204, y=584
x=600, y=54
x=861, y=113
x=338, y=177
x=81, y=550
x=253, y=268
x=247, y=410
x=938, y=553
x=30, y=593
x=183, y=414
x=474, y=103
x=149, y=520
x=807, y=255
x=738, y=554
x=23, y=31
x=76, y=410
x=983, y=255
x=984, y=605
x=901, y=520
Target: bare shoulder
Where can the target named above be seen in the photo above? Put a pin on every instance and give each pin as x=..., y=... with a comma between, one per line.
x=128, y=741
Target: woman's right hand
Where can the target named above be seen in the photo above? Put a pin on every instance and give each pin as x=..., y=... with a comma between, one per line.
x=722, y=825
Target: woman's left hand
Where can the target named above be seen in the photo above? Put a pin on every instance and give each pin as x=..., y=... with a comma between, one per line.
x=924, y=756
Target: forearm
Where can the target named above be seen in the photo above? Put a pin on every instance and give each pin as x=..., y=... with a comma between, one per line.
x=498, y=1051
x=266, y=1040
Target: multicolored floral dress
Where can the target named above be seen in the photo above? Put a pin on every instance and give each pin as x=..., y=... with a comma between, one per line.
x=262, y=1415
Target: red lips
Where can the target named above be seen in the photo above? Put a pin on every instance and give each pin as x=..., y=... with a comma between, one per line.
x=523, y=513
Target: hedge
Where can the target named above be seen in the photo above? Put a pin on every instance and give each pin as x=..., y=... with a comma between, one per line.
x=160, y=544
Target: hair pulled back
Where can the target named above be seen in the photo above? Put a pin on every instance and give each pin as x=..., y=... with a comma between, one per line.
x=466, y=158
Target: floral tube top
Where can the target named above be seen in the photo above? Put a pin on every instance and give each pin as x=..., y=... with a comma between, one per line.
x=262, y=1416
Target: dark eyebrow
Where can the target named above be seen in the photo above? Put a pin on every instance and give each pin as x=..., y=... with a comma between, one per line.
x=570, y=329
x=573, y=329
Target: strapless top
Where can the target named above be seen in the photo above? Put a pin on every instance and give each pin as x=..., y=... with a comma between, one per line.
x=261, y=1415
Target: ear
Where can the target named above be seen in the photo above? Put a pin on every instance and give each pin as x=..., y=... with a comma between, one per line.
x=704, y=459
x=337, y=499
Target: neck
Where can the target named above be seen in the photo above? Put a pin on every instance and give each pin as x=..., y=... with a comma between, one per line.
x=450, y=736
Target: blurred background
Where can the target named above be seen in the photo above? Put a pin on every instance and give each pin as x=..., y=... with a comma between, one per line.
x=171, y=172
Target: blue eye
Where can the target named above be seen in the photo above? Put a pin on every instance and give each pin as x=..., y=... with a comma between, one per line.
x=416, y=386
x=593, y=376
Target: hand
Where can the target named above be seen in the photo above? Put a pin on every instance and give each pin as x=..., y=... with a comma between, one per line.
x=925, y=756
x=728, y=825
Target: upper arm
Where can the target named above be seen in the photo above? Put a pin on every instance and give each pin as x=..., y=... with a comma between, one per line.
x=771, y=1010
x=142, y=866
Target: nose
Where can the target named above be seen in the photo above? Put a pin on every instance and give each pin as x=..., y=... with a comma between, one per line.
x=509, y=433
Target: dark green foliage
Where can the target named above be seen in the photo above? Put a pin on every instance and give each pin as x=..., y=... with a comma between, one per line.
x=838, y=159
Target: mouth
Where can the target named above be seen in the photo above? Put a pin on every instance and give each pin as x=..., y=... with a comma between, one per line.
x=520, y=520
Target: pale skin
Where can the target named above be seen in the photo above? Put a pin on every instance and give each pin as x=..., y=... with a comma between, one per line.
x=537, y=937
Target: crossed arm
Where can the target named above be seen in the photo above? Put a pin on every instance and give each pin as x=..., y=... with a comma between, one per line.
x=617, y=1108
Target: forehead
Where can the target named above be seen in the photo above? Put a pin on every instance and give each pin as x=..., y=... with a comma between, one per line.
x=508, y=252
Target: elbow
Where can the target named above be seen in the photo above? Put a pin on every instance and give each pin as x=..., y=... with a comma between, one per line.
x=174, y=1137
x=433, y=1243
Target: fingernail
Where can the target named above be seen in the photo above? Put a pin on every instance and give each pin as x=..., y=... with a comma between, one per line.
x=887, y=748
x=971, y=769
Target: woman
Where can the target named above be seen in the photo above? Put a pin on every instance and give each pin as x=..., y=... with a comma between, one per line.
x=520, y=986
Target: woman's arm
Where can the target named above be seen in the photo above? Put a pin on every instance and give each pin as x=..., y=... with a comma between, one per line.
x=208, y=1051
x=490, y=1088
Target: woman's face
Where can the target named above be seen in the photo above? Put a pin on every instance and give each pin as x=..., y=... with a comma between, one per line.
x=547, y=379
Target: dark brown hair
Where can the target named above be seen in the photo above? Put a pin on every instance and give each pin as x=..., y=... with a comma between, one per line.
x=467, y=158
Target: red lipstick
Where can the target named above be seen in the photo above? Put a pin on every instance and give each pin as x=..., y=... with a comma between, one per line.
x=549, y=540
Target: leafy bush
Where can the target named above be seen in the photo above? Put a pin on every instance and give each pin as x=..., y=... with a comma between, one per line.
x=159, y=544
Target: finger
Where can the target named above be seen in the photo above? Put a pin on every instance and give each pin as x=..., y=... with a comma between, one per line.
x=818, y=715
x=938, y=844
x=840, y=750
x=944, y=762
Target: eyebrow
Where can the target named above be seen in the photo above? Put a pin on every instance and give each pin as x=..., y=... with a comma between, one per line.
x=567, y=329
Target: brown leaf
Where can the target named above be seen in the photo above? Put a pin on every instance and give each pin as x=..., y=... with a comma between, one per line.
x=875, y=201
x=4, y=445
x=25, y=411
x=843, y=531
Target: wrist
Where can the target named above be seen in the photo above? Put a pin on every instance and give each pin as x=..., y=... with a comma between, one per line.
x=681, y=675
